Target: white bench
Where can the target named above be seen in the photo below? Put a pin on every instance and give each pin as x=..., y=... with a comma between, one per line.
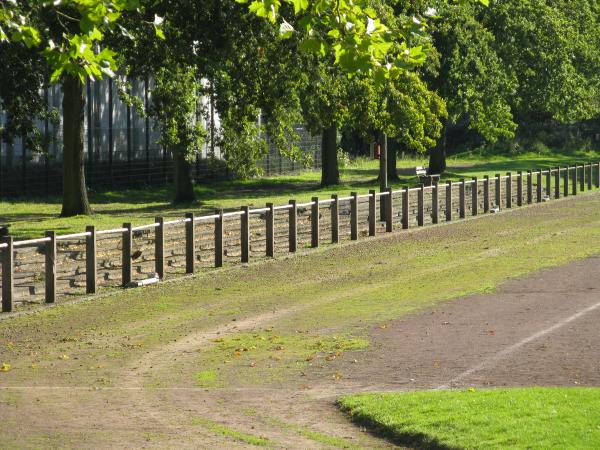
x=425, y=177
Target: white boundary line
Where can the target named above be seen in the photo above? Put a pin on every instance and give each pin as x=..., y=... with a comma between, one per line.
x=492, y=360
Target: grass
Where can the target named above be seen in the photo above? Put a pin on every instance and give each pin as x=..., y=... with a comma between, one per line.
x=531, y=418
x=30, y=217
x=224, y=430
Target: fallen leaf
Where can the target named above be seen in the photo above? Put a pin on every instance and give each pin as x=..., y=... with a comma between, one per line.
x=5, y=367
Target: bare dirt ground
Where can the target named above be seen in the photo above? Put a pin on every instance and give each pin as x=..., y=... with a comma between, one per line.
x=537, y=330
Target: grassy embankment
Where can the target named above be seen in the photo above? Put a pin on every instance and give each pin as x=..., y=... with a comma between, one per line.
x=29, y=218
x=532, y=418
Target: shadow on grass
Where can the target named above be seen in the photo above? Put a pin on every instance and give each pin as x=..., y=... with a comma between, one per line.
x=417, y=441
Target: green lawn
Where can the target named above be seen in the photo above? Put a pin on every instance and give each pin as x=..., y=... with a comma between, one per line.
x=532, y=418
x=30, y=218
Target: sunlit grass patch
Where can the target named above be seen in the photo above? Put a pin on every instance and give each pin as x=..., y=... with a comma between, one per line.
x=532, y=418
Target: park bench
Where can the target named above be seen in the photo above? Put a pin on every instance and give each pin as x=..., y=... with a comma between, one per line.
x=425, y=177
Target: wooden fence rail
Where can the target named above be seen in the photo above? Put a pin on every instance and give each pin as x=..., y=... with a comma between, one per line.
x=265, y=230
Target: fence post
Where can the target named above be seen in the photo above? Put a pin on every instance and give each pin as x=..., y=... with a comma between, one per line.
x=509, y=190
x=50, y=270
x=159, y=247
x=486, y=193
x=293, y=226
x=529, y=187
x=474, y=196
x=582, y=179
x=448, y=201
x=335, y=219
x=126, y=255
x=270, y=231
x=219, y=238
x=389, y=210
x=314, y=223
x=372, y=212
x=245, y=234
x=539, y=186
x=7, y=273
x=549, y=183
x=589, y=177
x=598, y=176
x=498, y=191
x=566, y=181
x=354, y=216
x=421, y=205
x=557, y=183
x=574, y=188
x=435, y=202
x=90, y=260
x=190, y=238
x=405, y=208
x=462, y=199
x=520, y=188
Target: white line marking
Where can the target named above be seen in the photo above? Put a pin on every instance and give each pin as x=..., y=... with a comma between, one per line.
x=507, y=351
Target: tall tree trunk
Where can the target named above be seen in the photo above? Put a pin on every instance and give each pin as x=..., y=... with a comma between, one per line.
x=184, y=188
x=75, y=198
x=392, y=156
x=437, y=155
x=330, y=173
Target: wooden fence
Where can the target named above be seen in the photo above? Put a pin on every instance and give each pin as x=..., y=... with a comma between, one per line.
x=38, y=270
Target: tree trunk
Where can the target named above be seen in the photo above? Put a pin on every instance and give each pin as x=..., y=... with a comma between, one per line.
x=330, y=173
x=392, y=156
x=437, y=156
x=75, y=199
x=184, y=188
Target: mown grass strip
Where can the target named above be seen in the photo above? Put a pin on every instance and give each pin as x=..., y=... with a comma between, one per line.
x=532, y=418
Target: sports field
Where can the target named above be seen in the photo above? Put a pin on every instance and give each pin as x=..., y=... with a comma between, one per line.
x=259, y=355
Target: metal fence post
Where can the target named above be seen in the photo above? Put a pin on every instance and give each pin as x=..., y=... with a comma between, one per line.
x=421, y=205
x=126, y=255
x=190, y=238
x=314, y=222
x=219, y=238
x=159, y=247
x=549, y=183
x=475, y=196
x=372, y=212
x=90, y=260
x=7, y=274
x=435, y=202
x=270, y=231
x=50, y=270
x=590, y=176
x=557, y=183
x=566, y=181
x=529, y=187
x=448, y=201
x=582, y=179
x=539, y=186
x=598, y=176
x=354, y=216
x=335, y=219
x=574, y=186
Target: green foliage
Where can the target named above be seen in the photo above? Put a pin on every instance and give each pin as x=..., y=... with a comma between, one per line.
x=533, y=418
x=243, y=146
x=174, y=107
